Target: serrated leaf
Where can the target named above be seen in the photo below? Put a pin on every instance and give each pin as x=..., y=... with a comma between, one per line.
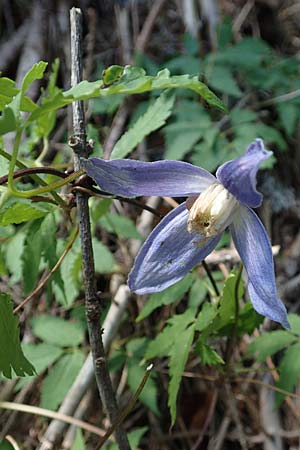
x=11, y=355
x=209, y=357
x=120, y=225
x=153, y=119
x=197, y=293
x=170, y=295
x=57, y=331
x=181, y=138
x=289, y=371
x=206, y=316
x=163, y=342
x=104, y=259
x=133, y=81
x=178, y=357
x=31, y=257
x=60, y=379
x=41, y=355
x=269, y=343
x=21, y=211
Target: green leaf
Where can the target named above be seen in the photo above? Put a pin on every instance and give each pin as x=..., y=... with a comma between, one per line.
x=178, y=357
x=133, y=81
x=181, y=138
x=104, y=259
x=135, y=350
x=155, y=117
x=227, y=301
x=14, y=251
x=165, y=340
x=206, y=316
x=11, y=355
x=120, y=225
x=60, y=379
x=294, y=320
x=49, y=245
x=79, y=441
x=170, y=295
x=21, y=211
x=112, y=74
x=134, y=438
x=7, y=121
x=288, y=113
x=41, y=355
x=197, y=293
x=209, y=357
x=5, y=445
x=222, y=80
x=71, y=273
x=57, y=331
x=289, y=370
x=269, y=343
x=35, y=73
x=31, y=257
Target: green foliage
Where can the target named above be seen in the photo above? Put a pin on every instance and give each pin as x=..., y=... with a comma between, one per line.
x=32, y=255
x=154, y=118
x=170, y=295
x=289, y=370
x=122, y=226
x=104, y=259
x=57, y=331
x=269, y=343
x=135, y=353
x=21, y=211
x=60, y=379
x=134, y=438
x=12, y=358
x=79, y=441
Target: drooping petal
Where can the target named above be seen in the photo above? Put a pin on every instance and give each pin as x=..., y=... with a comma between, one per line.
x=239, y=175
x=131, y=178
x=253, y=245
x=168, y=254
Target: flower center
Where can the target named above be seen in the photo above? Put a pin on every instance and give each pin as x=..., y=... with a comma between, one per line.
x=212, y=211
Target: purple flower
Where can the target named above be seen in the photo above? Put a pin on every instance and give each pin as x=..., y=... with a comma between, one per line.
x=192, y=230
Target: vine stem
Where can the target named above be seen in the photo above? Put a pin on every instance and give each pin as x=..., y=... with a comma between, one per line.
x=233, y=335
x=92, y=301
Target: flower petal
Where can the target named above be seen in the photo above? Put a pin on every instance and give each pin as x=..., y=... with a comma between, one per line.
x=131, y=178
x=168, y=254
x=254, y=247
x=239, y=175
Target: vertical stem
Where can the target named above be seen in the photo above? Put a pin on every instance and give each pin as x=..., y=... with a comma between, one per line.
x=92, y=302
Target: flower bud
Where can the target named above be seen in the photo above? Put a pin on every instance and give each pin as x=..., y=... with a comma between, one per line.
x=212, y=211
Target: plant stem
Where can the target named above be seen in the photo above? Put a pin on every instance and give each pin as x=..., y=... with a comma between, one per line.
x=92, y=303
x=211, y=278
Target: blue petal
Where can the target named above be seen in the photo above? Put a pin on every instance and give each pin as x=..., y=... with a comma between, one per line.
x=239, y=175
x=253, y=245
x=130, y=178
x=168, y=254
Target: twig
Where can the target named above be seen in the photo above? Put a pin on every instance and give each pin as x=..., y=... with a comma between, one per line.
x=236, y=418
x=13, y=442
x=29, y=409
x=128, y=408
x=144, y=36
x=211, y=278
x=33, y=170
x=42, y=283
x=92, y=303
x=208, y=419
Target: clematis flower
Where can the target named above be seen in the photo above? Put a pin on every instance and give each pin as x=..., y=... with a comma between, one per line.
x=192, y=230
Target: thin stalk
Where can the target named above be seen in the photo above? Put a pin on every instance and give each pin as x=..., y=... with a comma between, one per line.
x=92, y=300
x=233, y=335
x=211, y=278
x=35, y=177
